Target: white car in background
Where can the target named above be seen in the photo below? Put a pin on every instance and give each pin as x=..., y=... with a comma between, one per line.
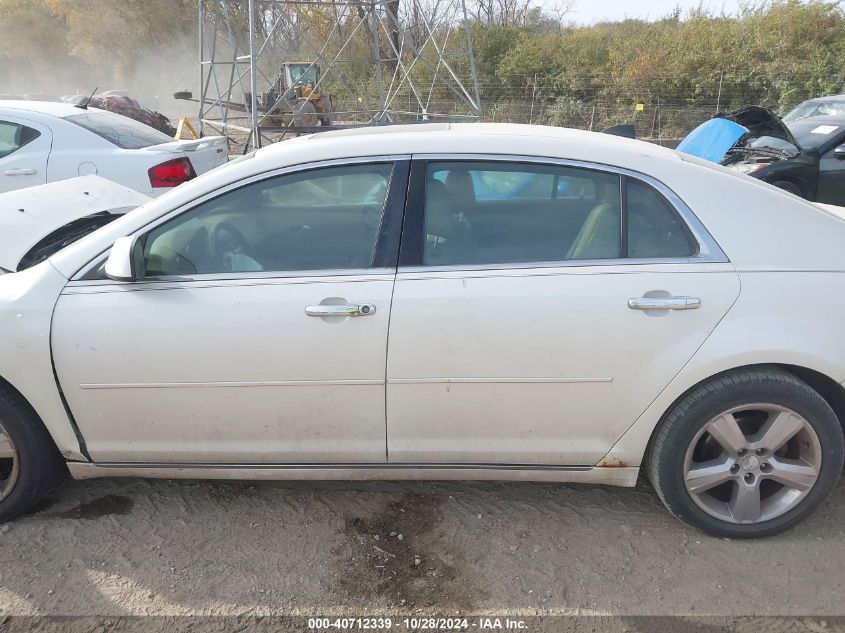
x=43, y=142
x=469, y=301
x=39, y=221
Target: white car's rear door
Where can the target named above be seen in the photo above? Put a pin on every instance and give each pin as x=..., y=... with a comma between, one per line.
x=24, y=152
x=532, y=320
x=258, y=335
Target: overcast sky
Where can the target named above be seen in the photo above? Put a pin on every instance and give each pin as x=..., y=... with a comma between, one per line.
x=589, y=12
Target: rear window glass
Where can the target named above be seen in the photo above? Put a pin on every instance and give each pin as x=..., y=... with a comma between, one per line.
x=122, y=131
x=482, y=213
x=654, y=228
x=14, y=136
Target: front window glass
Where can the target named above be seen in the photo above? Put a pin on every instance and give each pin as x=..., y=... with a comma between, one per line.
x=303, y=74
x=321, y=219
x=494, y=212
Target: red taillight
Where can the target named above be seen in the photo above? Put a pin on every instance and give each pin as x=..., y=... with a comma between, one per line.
x=173, y=172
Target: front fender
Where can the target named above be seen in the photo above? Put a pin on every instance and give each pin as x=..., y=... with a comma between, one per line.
x=26, y=309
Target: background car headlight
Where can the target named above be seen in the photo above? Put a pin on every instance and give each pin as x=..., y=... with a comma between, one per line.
x=748, y=168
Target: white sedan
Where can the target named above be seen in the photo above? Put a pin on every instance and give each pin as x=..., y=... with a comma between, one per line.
x=443, y=302
x=43, y=142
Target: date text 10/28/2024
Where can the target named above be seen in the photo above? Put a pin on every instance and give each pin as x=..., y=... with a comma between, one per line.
x=422, y=623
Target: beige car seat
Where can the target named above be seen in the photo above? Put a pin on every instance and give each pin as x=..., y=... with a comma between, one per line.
x=599, y=235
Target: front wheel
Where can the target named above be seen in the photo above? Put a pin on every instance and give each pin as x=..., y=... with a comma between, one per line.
x=30, y=464
x=749, y=453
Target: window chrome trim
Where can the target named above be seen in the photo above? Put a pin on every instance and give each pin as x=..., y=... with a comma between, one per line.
x=258, y=278
x=550, y=265
x=709, y=250
x=97, y=261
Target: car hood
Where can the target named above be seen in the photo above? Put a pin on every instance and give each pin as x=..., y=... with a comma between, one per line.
x=713, y=139
x=28, y=215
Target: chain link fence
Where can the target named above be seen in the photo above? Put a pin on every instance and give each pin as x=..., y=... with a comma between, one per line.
x=649, y=107
x=657, y=119
x=654, y=122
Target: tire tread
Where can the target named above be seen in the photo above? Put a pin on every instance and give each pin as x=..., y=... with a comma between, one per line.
x=49, y=468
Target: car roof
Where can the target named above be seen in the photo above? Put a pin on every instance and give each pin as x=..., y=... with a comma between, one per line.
x=474, y=129
x=50, y=108
x=552, y=142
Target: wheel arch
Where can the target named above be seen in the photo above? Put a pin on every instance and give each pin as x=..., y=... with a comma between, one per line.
x=7, y=388
x=832, y=391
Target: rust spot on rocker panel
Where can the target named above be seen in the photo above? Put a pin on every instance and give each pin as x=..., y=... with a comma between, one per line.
x=612, y=462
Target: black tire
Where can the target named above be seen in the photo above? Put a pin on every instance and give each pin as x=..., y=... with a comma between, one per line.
x=665, y=460
x=791, y=187
x=40, y=467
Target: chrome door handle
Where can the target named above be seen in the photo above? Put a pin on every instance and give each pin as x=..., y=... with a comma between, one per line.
x=668, y=303
x=343, y=310
x=20, y=172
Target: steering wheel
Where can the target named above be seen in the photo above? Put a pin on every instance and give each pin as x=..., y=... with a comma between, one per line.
x=224, y=239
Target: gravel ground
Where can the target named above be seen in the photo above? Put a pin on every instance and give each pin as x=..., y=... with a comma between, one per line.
x=133, y=547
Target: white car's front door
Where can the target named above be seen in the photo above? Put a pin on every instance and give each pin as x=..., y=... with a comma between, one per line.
x=24, y=152
x=258, y=335
x=514, y=338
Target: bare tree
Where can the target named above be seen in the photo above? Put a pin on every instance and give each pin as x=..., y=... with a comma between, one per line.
x=515, y=12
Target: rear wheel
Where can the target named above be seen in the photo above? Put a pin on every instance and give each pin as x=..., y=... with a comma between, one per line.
x=305, y=115
x=749, y=453
x=30, y=465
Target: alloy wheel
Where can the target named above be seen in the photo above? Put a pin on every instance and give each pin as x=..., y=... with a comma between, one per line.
x=752, y=463
x=8, y=464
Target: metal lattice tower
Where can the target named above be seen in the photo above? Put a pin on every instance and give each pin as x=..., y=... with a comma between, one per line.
x=381, y=62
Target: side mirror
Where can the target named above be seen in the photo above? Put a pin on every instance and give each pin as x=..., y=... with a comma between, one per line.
x=126, y=260
x=839, y=152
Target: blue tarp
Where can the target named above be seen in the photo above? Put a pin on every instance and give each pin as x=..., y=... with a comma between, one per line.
x=712, y=139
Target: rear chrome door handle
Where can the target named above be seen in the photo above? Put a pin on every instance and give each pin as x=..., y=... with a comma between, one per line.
x=20, y=172
x=667, y=303
x=342, y=310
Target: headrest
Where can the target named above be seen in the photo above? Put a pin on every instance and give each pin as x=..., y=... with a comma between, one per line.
x=439, y=210
x=460, y=188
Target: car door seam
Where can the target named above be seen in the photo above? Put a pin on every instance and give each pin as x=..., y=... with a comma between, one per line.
x=681, y=369
x=390, y=306
x=83, y=447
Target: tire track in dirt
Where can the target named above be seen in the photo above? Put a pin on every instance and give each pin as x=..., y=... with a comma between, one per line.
x=401, y=557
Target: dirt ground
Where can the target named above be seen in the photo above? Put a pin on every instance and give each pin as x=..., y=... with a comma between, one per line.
x=122, y=547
